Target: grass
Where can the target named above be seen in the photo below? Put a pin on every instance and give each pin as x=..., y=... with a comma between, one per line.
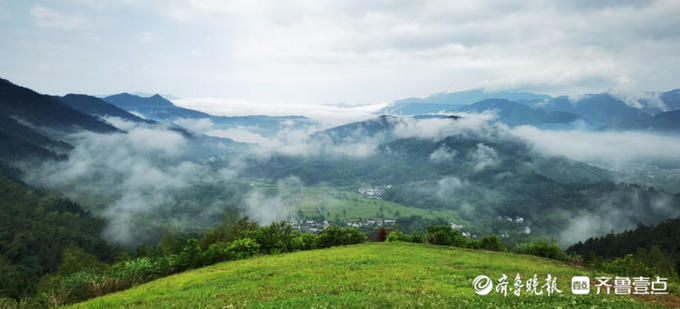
x=335, y=202
x=371, y=275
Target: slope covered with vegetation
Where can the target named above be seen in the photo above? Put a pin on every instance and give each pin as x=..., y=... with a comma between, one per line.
x=375, y=275
x=35, y=228
x=658, y=244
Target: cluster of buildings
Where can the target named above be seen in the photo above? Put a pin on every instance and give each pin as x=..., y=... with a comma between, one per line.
x=375, y=192
x=316, y=226
x=311, y=226
x=371, y=222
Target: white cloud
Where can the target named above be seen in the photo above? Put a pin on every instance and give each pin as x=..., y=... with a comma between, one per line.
x=442, y=155
x=318, y=52
x=128, y=176
x=240, y=134
x=328, y=114
x=611, y=149
x=483, y=157
x=439, y=128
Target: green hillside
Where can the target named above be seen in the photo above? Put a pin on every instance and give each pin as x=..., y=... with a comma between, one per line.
x=372, y=275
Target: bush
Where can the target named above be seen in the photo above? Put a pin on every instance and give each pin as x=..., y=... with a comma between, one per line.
x=136, y=271
x=275, y=238
x=75, y=259
x=417, y=237
x=303, y=241
x=492, y=243
x=78, y=286
x=543, y=249
x=627, y=266
x=397, y=235
x=167, y=264
x=243, y=248
x=643, y=262
x=216, y=253
x=336, y=236
x=446, y=236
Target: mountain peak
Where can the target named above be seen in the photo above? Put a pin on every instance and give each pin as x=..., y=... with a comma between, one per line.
x=131, y=101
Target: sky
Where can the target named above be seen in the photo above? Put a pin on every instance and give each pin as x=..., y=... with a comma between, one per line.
x=266, y=54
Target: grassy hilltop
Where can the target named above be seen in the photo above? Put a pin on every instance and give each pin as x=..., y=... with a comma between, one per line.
x=371, y=275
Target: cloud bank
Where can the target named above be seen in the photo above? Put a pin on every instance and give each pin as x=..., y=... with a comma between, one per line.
x=330, y=51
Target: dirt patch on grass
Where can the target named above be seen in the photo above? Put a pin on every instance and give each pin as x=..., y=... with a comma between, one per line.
x=670, y=300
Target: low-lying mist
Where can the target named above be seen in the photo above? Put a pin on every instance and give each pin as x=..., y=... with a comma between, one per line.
x=151, y=176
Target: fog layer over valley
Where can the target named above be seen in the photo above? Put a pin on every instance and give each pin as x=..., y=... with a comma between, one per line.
x=516, y=182
x=523, y=166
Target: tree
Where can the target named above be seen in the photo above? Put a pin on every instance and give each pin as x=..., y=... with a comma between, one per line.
x=190, y=257
x=171, y=242
x=75, y=259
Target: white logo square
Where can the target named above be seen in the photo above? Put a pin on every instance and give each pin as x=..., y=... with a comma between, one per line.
x=580, y=285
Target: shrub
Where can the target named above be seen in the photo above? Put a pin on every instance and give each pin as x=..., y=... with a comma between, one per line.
x=417, y=237
x=136, y=271
x=243, y=248
x=78, y=286
x=216, y=253
x=167, y=264
x=445, y=235
x=627, y=265
x=543, y=249
x=275, y=238
x=75, y=259
x=303, y=241
x=643, y=262
x=336, y=236
x=492, y=243
x=397, y=235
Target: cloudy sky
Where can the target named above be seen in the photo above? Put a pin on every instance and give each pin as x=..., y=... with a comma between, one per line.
x=322, y=52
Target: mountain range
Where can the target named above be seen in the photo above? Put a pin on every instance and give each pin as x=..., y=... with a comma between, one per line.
x=159, y=108
x=599, y=111
x=430, y=161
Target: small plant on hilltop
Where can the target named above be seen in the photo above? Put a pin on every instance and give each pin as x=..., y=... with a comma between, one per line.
x=544, y=249
x=492, y=243
x=243, y=248
x=336, y=236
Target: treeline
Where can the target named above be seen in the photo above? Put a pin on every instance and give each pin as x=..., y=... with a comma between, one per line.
x=446, y=236
x=82, y=276
x=645, y=249
x=443, y=235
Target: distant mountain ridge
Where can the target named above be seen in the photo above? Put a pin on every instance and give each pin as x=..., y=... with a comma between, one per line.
x=159, y=108
x=445, y=101
x=600, y=111
x=45, y=110
x=32, y=123
x=513, y=113
x=98, y=107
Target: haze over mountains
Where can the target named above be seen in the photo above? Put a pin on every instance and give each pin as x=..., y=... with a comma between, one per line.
x=511, y=163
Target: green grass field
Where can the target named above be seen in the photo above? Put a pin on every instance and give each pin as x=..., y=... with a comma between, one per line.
x=371, y=275
x=335, y=202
